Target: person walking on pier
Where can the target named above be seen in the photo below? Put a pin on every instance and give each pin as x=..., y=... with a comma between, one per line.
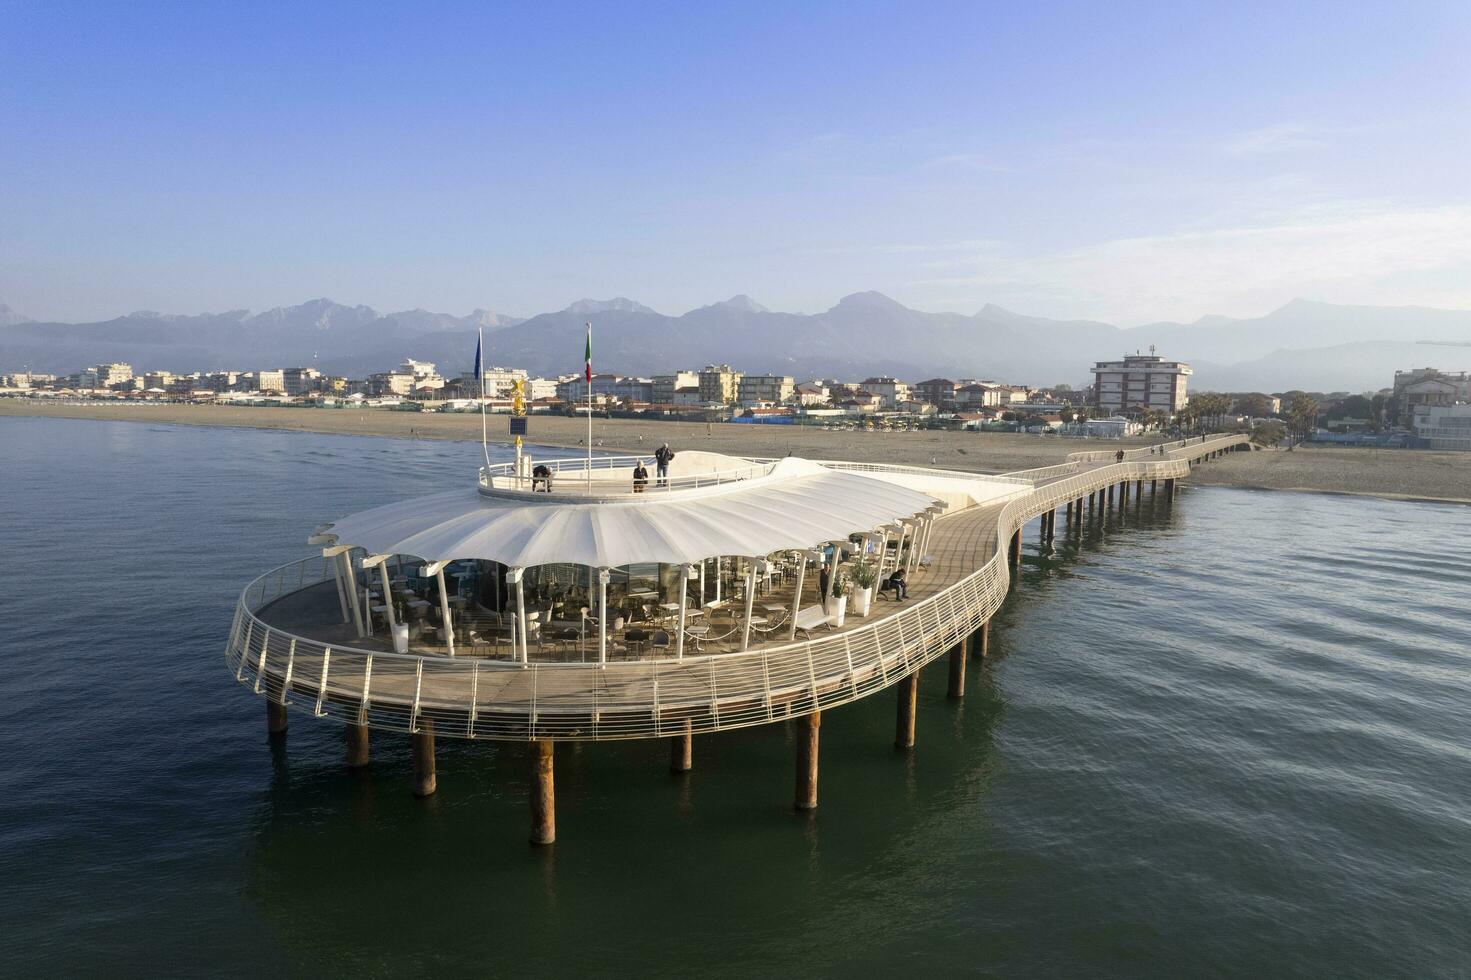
x=662, y=458
x=640, y=477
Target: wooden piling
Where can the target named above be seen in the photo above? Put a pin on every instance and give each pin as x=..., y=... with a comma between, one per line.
x=543, y=793
x=422, y=755
x=958, y=656
x=908, y=702
x=357, y=746
x=980, y=641
x=682, y=750
x=808, y=729
x=275, y=717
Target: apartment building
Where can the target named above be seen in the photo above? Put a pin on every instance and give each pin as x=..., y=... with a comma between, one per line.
x=1139, y=382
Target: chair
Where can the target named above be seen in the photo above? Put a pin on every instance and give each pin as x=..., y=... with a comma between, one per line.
x=635, y=640
x=659, y=639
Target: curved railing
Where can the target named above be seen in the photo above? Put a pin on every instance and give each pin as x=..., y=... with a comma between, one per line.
x=611, y=475
x=477, y=699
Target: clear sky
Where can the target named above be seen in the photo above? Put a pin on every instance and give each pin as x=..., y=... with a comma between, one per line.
x=1112, y=160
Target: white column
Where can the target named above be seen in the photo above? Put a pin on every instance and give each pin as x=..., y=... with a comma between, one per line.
x=518, y=628
x=449, y=630
x=913, y=547
x=387, y=596
x=802, y=557
x=832, y=575
x=719, y=567
x=341, y=587
x=686, y=572
x=603, y=577
x=703, y=563
x=750, y=598
x=352, y=591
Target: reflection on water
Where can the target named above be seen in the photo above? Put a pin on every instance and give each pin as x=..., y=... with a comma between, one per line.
x=1227, y=738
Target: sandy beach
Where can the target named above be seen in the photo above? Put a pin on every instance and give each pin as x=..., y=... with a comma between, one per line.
x=1394, y=474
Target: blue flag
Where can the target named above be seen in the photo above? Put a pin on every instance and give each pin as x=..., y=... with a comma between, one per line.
x=478, y=369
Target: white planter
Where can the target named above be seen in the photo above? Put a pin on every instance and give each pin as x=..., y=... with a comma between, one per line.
x=840, y=610
x=862, y=599
x=401, y=638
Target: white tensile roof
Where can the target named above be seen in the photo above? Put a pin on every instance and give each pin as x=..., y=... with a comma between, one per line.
x=799, y=505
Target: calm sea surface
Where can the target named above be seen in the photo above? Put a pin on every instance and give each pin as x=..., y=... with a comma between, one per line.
x=1231, y=740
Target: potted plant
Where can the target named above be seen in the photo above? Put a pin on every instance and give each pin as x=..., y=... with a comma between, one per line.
x=400, y=629
x=864, y=577
x=839, y=602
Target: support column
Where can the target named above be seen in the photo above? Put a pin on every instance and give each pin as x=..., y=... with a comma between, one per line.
x=543, y=793
x=957, y=668
x=357, y=746
x=1110, y=495
x=1092, y=499
x=808, y=728
x=423, y=759
x=275, y=717
x=980, y=641
x=1016, y=549
x=908, y=701
x=682, y=749
x=1153, y=488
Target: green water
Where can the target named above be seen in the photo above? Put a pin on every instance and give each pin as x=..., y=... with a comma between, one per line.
x=1229, y=739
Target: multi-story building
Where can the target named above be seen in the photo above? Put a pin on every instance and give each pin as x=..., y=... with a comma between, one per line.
x=719, y=383
x=541, y=389
x=666, y=385
x=606, y=387
x=766, y=389
x=157, y=379
x=1425, y=387
x=1139, y=382
x=813, y=393
x=300, y=380
x=262, y=381
x=113, y=374
x=1443, y=426
x=891, y=390
x=220, y=381
x=387, y=384
x=936, y=391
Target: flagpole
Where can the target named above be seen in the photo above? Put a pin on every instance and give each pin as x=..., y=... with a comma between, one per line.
x=480, y=370
x=589, y=405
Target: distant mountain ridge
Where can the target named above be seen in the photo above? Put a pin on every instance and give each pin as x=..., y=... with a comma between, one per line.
x=1304, y=344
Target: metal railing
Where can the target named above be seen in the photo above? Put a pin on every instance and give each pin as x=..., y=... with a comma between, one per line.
x=470, y=698
x=573, y=476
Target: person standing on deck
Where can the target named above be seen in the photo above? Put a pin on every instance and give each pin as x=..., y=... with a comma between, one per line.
x=640, y=477
x=662, y=457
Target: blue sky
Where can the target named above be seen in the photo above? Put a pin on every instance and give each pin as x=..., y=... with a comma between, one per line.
x=1120, y=161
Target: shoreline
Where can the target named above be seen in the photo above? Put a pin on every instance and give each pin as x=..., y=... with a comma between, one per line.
x=1425, y=476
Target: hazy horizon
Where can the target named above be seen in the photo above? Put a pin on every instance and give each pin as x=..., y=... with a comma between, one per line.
x=1123, y=165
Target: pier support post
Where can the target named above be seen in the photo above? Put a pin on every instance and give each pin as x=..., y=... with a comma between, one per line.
x=275, y=717
x=682, y=750
x=1092, y=499
x=1109, y=500
x=357, y=746
x=908, y=702
x=422, y=754
x=980, y=641
x=1170, y=489
x=1016, y=549
x=543, y=793
x=808, y=728
x=1153, y=488
x=958, y=657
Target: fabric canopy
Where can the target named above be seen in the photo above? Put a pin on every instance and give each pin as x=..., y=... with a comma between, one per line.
x=800, y=504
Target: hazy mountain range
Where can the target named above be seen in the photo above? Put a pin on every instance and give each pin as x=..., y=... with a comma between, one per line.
x=1304, y=344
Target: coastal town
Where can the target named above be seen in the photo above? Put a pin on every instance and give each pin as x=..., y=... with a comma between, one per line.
x=1422, y=408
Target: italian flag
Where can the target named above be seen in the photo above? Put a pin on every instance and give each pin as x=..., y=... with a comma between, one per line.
x=589, y=353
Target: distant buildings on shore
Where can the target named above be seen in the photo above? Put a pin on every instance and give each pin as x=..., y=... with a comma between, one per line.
x=1424, y=407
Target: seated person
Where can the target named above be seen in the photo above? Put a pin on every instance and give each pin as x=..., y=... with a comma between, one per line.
x=899, y=583
x=640, y=477
x=541, y=478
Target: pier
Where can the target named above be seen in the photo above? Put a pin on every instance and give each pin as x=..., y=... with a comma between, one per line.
x=311, y=640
